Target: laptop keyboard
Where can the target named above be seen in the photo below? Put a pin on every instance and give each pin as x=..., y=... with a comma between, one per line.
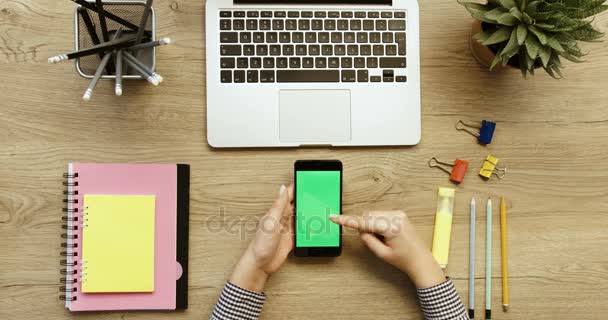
x=312, y=46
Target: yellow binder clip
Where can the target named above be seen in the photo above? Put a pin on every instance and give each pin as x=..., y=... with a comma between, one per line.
x=490, y=167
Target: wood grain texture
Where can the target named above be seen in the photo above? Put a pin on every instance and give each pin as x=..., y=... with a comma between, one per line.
x=552, y=135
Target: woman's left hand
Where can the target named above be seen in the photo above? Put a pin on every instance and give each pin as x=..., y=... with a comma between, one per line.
x=270, y=247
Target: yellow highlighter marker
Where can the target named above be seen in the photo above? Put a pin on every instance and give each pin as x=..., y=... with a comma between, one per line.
x=443, y=226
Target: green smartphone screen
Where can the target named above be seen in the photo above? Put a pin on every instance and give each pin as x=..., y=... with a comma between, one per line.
x=317, y=196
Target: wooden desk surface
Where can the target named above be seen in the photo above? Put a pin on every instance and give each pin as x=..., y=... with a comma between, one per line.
x=552, y=135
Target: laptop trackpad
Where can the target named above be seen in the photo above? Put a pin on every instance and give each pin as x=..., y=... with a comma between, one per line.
x=315, y=116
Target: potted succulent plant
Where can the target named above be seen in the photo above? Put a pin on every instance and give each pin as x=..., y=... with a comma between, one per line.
x=532, y=34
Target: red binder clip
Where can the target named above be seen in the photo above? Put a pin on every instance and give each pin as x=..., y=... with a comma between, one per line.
x=459, y=168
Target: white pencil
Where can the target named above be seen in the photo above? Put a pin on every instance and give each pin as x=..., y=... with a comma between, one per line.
x=472, y=262
x=130, y=58
x=102, y=65
x=89, y=92
x=118, y=87
x=489, y=260
x=150, y=78
x=161, y=42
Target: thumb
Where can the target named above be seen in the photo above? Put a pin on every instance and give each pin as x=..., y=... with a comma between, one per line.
x=280, y=204
x=374, y=244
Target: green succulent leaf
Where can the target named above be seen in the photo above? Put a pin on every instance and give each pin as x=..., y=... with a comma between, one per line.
x=532, y=7
x=563, y=22
x=494, y=3
x=511, y=48
x=500, y=35
x=539, y=34
x=555, y=65
x=569, y=57
x=508, y=3
x=558, y=71
x=496, y=60
x=555, y=60
x=507, y=19
x=516, y=13
x=495, y=13
x=545, y=55
x=523, y=61
x=579, y=9
x=591, y=12
x=571, y=27
x=533, y=47
x=574, y=50
x=586, y=33
x=529, y=61
x=522, y=33
x=553, y=43
x=565, y=39
x=523, y=66
x=545, y=26
x=541, y=16
x=474, y=6
x=584, y=4
x=477, y=10
x=528, y=19
x=482, y=36
x=550, y=72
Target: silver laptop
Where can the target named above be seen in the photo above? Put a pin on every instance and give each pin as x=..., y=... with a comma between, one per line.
x=283, y=73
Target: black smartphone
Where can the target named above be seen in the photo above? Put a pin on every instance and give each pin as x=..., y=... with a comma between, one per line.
x=318, y=193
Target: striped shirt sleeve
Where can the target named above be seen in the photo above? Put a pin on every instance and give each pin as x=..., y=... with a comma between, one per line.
x=236, y=303
x=441, y=302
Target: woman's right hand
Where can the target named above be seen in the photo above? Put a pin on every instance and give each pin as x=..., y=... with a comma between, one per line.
x=391, y=236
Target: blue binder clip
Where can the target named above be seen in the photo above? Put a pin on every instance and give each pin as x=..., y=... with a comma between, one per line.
x=486, y=130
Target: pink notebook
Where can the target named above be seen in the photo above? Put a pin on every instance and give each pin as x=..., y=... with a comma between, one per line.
x=170, y=276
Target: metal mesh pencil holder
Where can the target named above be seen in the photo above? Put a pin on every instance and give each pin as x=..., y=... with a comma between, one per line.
x=131, y=11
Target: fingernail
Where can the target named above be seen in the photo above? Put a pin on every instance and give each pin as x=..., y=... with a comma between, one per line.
x=333, y=216
x=282, y=190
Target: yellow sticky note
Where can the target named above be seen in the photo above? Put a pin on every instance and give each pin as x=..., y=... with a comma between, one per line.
x=118, y=243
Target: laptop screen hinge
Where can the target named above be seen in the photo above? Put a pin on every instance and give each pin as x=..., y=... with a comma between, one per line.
x=319, y=2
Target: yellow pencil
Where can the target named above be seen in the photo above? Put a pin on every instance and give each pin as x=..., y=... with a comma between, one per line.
x=503, y=245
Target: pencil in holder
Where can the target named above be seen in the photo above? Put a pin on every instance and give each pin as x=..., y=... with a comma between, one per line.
x=130, y=11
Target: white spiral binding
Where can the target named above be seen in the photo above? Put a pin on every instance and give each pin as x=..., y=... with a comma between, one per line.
x=70, y=233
